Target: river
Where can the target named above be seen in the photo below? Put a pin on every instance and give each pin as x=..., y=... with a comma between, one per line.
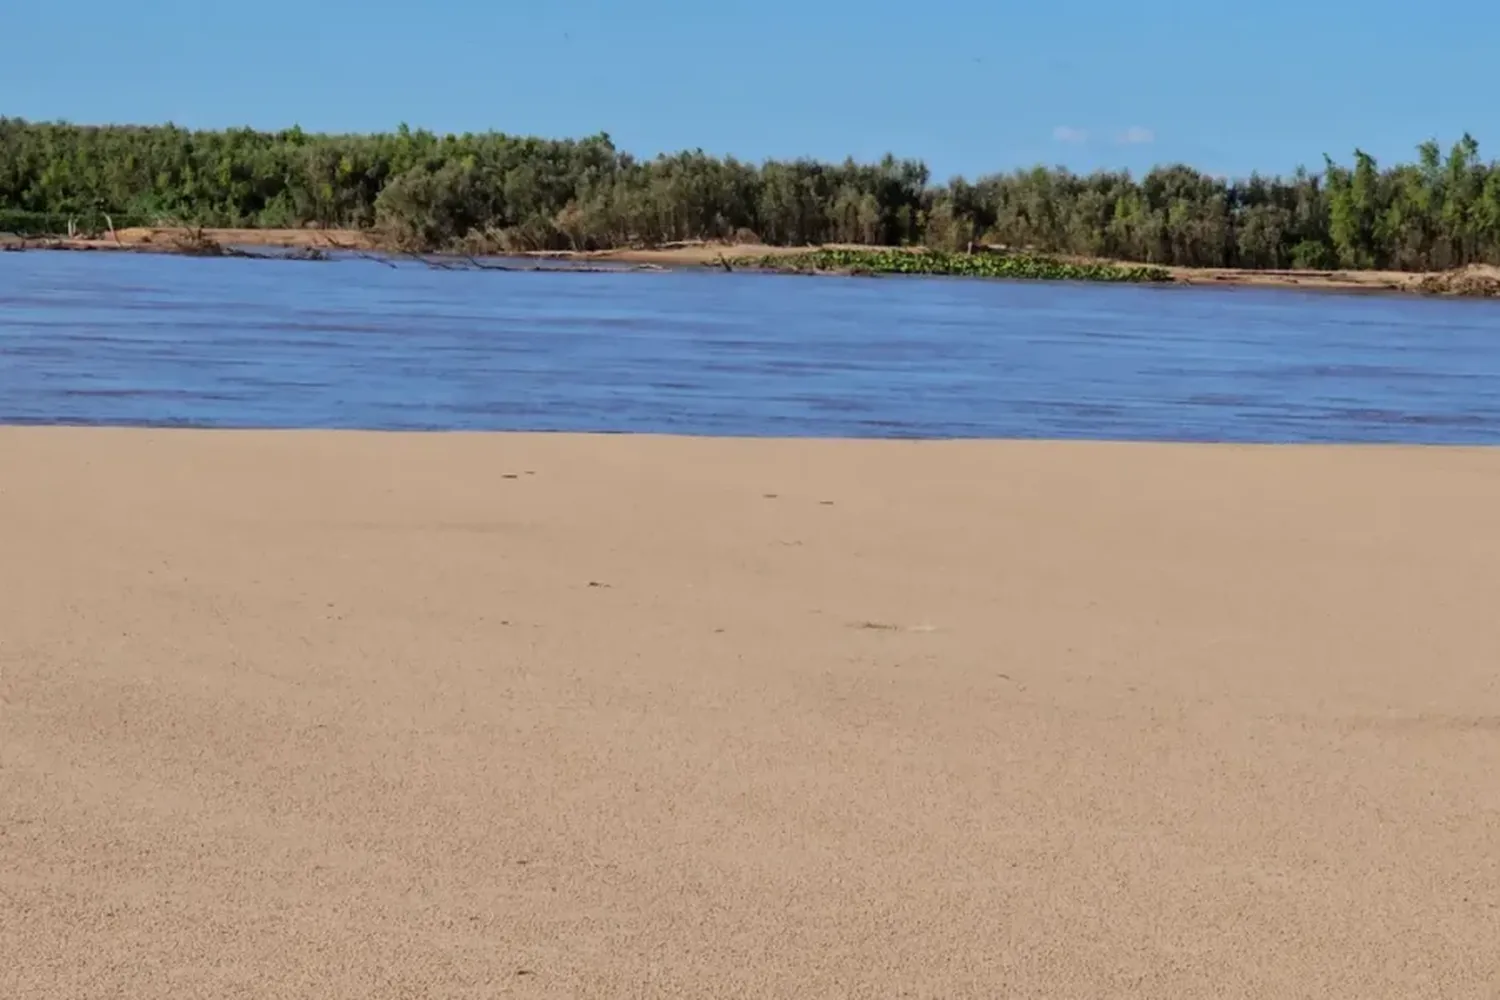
x=128, y=339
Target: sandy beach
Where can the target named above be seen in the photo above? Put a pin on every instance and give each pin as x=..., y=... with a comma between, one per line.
x=390, y=717
x=1479, y=280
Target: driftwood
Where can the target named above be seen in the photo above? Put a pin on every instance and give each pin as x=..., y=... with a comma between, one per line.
x=356, y=251
x=493, y=267
x=436, y=265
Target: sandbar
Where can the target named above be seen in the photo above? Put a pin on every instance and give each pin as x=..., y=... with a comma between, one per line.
x=1475, y=280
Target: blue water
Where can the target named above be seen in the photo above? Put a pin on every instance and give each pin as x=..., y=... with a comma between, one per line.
x=134, y=339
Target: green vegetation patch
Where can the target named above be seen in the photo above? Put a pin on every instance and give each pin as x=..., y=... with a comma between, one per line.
x=965, y=265
x=489, y=192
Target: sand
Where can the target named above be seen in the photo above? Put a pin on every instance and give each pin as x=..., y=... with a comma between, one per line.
x=1476, y=280
x=359, y=716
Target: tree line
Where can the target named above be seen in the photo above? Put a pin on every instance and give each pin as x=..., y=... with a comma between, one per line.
x=498, y=192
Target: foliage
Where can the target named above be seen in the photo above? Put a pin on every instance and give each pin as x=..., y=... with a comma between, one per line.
x=941, y=262
x=507, y=192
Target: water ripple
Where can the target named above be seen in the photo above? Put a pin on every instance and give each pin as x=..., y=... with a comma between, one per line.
x=125, y=339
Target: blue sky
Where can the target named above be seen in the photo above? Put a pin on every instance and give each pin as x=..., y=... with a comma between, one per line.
x=969, y=86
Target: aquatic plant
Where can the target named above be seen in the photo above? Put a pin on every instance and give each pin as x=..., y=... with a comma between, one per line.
x=938, y=262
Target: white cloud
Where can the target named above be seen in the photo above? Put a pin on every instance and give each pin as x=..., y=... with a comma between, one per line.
x=1067, y=133
x=1135, y=135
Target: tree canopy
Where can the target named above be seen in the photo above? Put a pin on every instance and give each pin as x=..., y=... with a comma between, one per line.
x=497, y=191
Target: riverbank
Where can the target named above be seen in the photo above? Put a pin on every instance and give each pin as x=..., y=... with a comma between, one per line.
x=354, y=715
x=1479, y=281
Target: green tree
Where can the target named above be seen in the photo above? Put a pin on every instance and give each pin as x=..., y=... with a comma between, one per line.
x=495, y=190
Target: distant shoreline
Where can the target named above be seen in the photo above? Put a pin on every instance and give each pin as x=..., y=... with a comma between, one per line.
x=1475, y=281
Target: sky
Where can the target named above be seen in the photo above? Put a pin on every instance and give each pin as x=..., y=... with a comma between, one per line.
x=969, y=86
